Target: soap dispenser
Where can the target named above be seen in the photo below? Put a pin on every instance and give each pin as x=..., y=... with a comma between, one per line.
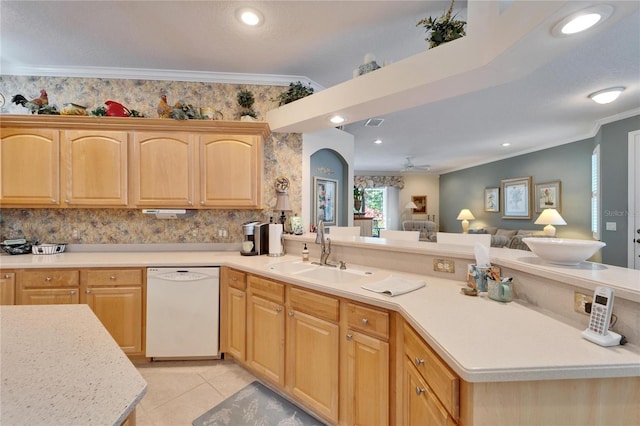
x=305, y=253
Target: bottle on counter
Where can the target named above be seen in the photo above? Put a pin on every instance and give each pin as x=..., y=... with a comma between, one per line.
x=305, y=253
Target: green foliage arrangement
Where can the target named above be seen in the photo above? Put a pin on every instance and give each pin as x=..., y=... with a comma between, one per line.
x=246, y=99
x=296, y=91
x=443, y=29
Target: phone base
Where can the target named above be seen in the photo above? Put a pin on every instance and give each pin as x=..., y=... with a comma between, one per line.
x=609, y=339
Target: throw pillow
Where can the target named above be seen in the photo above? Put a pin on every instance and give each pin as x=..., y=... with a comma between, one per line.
x=506, y=232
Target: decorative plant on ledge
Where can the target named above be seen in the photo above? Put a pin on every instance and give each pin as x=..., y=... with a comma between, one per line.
x=245, y=100
x=444, y=28
x=296, y=91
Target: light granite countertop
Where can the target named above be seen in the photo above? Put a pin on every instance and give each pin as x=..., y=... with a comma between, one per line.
x=60, y=366
x=482, y=340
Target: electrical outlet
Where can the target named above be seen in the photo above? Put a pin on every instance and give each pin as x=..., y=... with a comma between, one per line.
x=579, y=301
x=444, y=265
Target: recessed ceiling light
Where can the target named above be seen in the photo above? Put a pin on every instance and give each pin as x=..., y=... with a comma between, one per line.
x=506, y=144
x=582, y=20
x=378, y=141
x=249, y=16
x=607, y=95
x=336, y=119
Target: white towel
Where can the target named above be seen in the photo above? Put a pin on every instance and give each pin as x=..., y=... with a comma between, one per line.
x=394, y=286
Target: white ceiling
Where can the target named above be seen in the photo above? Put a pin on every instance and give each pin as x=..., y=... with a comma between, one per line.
x=324, y=41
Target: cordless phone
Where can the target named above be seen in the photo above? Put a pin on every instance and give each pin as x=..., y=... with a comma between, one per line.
x=601, y=310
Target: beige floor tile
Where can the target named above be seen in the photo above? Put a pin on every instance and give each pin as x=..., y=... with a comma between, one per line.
x=231, y=380
x=181, y=411
x=165, y=385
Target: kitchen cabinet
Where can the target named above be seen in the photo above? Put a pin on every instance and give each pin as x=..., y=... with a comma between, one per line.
x=266, y=329
x=313, y=350
x=233, y=313
x=115, y=296
x=48, y=287
x=29, y=167
x=7, y=287
x=94, y=168
x=430, y=387
x=367, y=365
x=230, y=171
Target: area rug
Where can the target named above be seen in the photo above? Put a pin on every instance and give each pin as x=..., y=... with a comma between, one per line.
x=255, y=404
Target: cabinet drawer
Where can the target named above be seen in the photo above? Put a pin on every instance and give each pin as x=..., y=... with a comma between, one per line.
x=436, y=373
x=368, y=320
x=325, y=307
x=50, y=278
x=267, y=289
x=114, y=277
x=237, y=279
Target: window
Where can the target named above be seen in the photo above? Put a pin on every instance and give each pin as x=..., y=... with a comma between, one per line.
x=375, y=206
x=595, y=193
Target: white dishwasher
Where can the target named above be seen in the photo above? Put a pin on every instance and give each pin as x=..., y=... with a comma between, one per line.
x=183, y=313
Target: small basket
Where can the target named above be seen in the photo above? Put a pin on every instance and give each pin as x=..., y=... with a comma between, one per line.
x=48, y=248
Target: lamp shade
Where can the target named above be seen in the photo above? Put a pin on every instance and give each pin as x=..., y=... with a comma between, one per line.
x=410, y=205
x=550, y=217
x=465, y=214
x=282, y=202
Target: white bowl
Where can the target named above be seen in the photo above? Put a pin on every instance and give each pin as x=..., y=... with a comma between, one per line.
x=563, y=251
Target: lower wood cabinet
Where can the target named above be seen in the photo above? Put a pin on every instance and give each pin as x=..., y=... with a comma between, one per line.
x=7, y=288
x=116, y=296
x=233, y=313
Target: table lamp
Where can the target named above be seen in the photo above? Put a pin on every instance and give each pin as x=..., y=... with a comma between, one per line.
x=465, y=216
x=550, y=217
x=282, y=200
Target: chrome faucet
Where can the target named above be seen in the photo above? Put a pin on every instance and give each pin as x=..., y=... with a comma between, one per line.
x=325, y=244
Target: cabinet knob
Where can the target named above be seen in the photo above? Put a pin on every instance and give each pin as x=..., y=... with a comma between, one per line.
x=72, y=292
x=291, y=314
x=234, y=279
x=47, y=279
x=53, y=201
x=7, y=276
x=66, y=201
x=112, y=277
x=420, y=390
x=279, y=309
x=202, y=203
x=418, y=362
x=190, y=202
x=349, y=336
x=87, y=291
x=365, y=321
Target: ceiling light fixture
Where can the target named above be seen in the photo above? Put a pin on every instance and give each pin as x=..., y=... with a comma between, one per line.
x=607, y=95
x=249, y=16
x=378, y=141
x=582, y=20
x=506, y=144
x=337, y=119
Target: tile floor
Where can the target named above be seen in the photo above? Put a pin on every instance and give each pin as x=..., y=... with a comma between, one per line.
x=180, y=391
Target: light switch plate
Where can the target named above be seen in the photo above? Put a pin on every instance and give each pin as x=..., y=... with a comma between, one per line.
x=611, y=226
x=444, y=265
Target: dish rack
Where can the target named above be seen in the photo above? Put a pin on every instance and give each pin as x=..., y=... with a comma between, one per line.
x=18, y=246
x=48, y=248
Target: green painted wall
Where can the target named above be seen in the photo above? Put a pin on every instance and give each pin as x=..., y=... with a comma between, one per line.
x=570, y=164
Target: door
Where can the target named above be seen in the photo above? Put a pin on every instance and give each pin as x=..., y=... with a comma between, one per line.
x=265, y=334
x=29, y=167
x=312, y=362
x=634, y=201
x=95, y=168
x=120, y=311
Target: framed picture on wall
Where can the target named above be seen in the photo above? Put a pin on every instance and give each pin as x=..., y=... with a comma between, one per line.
x=492, y=199
x=516, y=198
x=325, y=201
x=547, y=196
x=421, y=203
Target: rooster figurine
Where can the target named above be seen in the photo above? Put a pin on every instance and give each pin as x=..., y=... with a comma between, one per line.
x=33, y=105
x=164, y=109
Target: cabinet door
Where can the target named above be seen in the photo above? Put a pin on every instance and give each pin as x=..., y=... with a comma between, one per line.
x=29, y=167
x=367, y=380
x=231, y=171
x=420, y=405
x=7, y=288
x=94, y=171
x=265, y=338
x=48, y=296
x=236, y=323
x=312, y=362
x=120, y=311
x=163, y=169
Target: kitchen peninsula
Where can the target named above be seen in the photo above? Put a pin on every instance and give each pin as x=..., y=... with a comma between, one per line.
x=527, y=353
x=60, y=366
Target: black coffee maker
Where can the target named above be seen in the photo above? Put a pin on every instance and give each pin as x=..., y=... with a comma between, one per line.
x=258, y=234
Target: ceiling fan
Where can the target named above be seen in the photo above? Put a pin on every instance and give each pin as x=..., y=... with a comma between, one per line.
x=410, y=167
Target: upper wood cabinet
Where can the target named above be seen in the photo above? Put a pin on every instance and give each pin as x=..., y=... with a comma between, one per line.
x=125, y=162
x=29, y=166
x=164, y=169
x=94, y=168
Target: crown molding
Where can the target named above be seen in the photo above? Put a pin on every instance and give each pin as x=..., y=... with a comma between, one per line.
x=162, y=75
